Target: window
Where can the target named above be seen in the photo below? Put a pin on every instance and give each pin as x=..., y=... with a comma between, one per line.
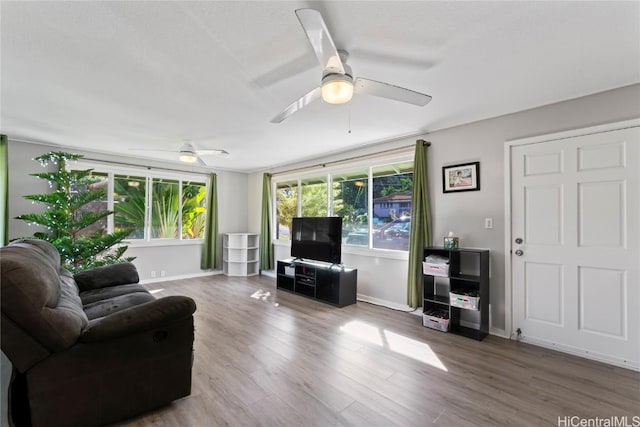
x=97, y=181
x=374, y=204
x=194, y=207
x=392, y=195
x=151, y=206
x=165, y=209
x=129, y=201
x=350, y=201
x=286, y=208
x=314, y=197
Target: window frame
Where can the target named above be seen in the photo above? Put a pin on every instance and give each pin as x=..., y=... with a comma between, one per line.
x=367, y=162
x=149, y=174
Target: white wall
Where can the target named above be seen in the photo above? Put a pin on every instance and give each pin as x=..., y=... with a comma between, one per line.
x=254, y=202
x=21, y=164
x=174, y=260
x=464, y=213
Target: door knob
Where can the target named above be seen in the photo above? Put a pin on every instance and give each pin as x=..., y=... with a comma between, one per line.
x=519, y=240
x=519, y=252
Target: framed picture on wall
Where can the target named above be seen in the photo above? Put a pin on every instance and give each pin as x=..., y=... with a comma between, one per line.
x=462, y=177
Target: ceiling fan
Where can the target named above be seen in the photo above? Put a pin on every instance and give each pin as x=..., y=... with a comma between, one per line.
x=337, y=85
x=189, y=154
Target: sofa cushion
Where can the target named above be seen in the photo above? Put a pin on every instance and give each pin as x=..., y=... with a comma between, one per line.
x=40, y=296
x=109, y=275
x=108, y=306
x=95, y=295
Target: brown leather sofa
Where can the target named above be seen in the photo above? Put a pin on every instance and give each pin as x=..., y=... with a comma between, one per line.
x=88, y=349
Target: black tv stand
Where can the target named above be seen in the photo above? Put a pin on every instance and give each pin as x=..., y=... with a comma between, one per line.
x=320, y=281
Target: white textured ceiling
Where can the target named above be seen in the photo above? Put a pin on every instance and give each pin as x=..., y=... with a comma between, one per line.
x=110, y=76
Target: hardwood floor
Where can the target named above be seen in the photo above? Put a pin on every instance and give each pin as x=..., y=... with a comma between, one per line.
x=270, y=358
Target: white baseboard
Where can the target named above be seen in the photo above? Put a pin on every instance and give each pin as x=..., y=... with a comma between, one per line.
x=269, y=273
x=385, y=303
x=605, y=358
x=180, y=277
x=499, y=332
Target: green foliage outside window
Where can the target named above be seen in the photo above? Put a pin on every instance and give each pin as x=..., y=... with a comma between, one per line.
x=129, y=199
x=314, y=198
x=287, y=206
x=193, y=209
x=130, y=202
x=350, y=202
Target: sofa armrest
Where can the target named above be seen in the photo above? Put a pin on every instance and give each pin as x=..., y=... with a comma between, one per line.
x=109, y=275
x=140, y=318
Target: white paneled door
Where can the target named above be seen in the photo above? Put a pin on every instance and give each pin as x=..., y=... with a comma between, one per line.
x=574, y=248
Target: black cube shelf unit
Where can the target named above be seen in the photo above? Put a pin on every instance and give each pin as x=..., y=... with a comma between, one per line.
x=468, y=271
x=332, y=284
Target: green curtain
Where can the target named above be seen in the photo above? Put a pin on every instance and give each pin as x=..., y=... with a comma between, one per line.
x=420, y=235
x=266, y=250
x=210, y=250
x=4, y=190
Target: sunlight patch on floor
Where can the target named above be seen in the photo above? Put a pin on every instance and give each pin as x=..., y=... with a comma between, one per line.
x=414, y=349
x=155, y=291
x=263, y=295
x=397, y=343
x=363, y=331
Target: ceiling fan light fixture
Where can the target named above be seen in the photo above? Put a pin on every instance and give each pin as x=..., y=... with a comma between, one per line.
x=337, y=88
x=188, y=157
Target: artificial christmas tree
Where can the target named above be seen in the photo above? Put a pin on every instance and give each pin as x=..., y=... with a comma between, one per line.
x=72, y=209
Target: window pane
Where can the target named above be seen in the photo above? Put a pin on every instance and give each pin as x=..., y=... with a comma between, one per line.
x=165, y=205
x=97, y=181
x=286, y=208
x=392, y=195
x=129, y=195
x=350, y=201
x=314, y=197
x=194, y=207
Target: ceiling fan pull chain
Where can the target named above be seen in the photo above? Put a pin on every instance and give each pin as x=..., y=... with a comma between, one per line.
x=349, y=107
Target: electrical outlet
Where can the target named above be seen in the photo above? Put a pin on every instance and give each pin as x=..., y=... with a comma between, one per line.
x=153, y=273
x=161, y=273
x=488, y=223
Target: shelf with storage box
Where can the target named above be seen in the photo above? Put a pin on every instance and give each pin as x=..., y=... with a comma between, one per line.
x=325, y=282
x=240, y=254
x=456, y=291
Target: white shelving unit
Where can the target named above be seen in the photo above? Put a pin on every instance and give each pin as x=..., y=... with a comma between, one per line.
x=240, y=254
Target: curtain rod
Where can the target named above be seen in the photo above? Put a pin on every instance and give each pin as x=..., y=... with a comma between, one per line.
x=113, y=162
x=424, y=143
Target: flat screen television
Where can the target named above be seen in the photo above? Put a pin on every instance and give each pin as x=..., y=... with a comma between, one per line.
x=317, y=238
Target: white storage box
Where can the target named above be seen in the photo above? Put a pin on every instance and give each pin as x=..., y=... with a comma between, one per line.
x=435, y=269
x=464, y=301
x=289, y=270
x=435, y=322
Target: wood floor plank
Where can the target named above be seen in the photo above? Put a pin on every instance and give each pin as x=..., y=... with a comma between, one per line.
x=264, y=357
x=358, y=414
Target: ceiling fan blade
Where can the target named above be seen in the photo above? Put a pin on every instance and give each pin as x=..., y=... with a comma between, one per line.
x=386, y=90
x=211, y=152
x=320, y=39
x=297, y=105
x=201, y=162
